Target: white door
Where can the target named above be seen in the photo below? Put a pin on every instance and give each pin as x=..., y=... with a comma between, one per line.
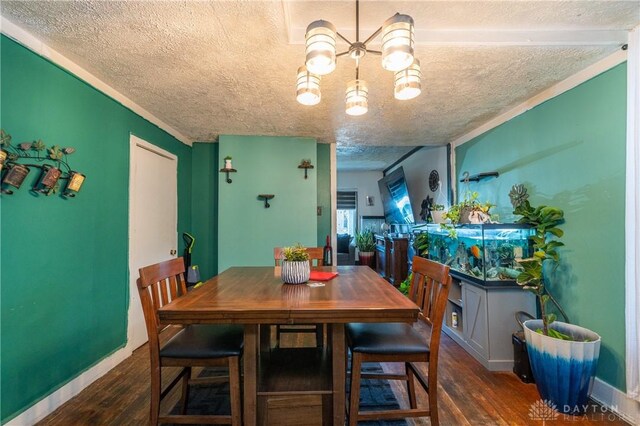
x=153, y=214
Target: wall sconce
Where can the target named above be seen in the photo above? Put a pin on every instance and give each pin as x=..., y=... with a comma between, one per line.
x=3, y=157
x=52, y=172
x=75, y=183
x=48, y=179
x=266, y=198
x=306, y=165
x=228, y=168
x=370, y=200
x=15, y=176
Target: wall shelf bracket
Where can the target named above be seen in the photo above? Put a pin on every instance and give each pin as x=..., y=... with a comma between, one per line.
x=266, y=198
x=227, y=171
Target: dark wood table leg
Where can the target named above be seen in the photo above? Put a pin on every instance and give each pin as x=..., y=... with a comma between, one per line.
x=250, y=360
x=339, y=373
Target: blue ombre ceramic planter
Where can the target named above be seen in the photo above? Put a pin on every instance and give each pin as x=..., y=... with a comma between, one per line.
x=563, y=370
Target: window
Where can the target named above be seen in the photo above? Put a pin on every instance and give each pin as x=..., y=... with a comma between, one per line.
x=347, y=203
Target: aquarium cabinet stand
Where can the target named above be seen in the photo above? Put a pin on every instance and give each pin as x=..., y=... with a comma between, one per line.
x=481, y=319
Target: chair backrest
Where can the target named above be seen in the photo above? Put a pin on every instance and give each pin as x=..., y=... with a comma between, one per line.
x=158, y=285
x=315, y=254
x=429, y=290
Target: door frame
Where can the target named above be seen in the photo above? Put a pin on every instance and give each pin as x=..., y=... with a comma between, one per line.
x=134, y=142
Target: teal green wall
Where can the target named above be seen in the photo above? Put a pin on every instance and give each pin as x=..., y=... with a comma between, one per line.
x=323, y=169
x=247, y=231
x=64, y=293
x=204, y=208
x=570, y=153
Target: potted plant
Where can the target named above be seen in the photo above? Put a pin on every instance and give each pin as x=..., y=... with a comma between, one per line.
x=366, y=245
x=563, y=356
x=469, y=210
x=438, y=212
x=227, y=162
x=295, y=268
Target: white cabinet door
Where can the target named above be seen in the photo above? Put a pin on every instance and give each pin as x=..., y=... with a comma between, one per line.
x=476, y=327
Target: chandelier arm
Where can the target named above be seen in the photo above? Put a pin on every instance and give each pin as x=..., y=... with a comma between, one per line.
x=374, y=35
x=344, y=38
x=374, y=52
x=342, y=54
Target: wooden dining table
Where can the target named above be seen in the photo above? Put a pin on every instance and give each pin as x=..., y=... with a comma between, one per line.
x=256, y=297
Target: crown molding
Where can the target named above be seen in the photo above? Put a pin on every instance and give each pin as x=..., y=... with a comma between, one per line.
x=40, y=48
x=557, y=89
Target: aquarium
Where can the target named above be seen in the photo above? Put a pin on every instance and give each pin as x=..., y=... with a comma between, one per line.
x=485, y=254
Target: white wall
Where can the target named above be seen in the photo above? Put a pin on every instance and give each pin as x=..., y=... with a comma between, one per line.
x=417, y=168
x=365, y=183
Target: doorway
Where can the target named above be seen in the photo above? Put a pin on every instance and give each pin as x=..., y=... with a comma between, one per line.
x=153, y=219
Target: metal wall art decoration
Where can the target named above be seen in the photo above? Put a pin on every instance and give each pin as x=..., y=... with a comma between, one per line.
x=51, y=161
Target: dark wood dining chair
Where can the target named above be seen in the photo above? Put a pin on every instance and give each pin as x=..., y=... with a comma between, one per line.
x=400, y=342
x=197, y=345
x=316, y=258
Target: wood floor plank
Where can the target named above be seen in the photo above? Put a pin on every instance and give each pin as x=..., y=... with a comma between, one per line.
x=469, y=395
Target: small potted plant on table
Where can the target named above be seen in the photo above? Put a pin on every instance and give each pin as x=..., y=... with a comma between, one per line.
x=295, y=268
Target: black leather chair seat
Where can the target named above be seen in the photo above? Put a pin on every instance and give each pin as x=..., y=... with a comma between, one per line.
x=205, y=341
x=385, y=338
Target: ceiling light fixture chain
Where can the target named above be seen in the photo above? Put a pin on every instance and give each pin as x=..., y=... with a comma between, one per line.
x=397, y=56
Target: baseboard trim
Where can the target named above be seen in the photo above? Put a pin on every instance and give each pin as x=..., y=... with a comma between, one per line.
x=51, y=402
x=616, y=401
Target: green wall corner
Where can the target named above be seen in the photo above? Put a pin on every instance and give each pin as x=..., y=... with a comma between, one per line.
x=205, y=208
x=570, y=153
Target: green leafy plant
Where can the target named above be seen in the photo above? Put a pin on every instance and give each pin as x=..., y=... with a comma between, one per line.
x=470, y=202
x=545, y=220
x=365, y=242
x=421, y=244
x=406, y=285
x=228, y=157
x=296, y=253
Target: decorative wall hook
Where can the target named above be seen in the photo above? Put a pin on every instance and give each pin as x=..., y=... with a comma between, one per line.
x=478, y=176
x=54, y=167
x=306, y=165
x=228, y=168
x=266, y=198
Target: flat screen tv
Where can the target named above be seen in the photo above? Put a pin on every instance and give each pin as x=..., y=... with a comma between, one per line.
x=395, y=198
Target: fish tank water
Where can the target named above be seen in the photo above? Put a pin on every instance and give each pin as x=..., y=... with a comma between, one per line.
x=485, y=254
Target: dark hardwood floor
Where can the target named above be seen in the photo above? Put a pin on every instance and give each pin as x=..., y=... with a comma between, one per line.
x=468, y=395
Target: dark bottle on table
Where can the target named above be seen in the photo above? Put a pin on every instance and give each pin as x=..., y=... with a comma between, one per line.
x=327, y=253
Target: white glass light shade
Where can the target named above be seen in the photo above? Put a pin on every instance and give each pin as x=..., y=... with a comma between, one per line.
x=307, y=87
x=320, y=41
x=397, y=42
x=357, y=97
x=407, y=82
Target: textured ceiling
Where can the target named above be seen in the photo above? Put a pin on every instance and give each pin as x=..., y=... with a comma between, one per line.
x=211, y=68
x=368, y=157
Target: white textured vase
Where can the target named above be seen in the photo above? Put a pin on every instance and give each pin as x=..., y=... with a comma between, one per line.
x=295, y=272
x=563, y=369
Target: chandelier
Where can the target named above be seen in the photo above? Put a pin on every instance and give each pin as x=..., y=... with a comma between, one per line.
x=397, y=56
